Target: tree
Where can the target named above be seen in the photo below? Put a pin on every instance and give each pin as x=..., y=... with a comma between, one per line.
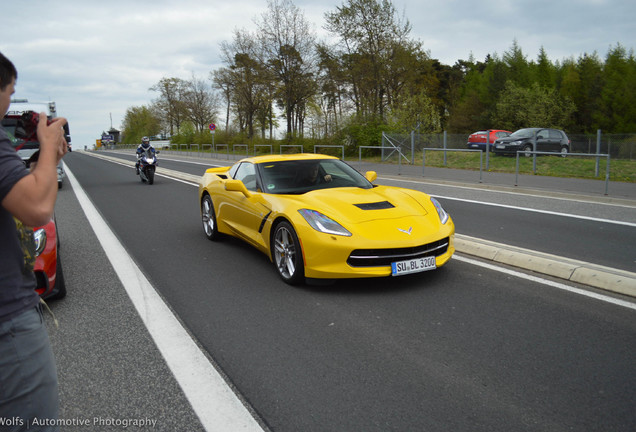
x=518, y=68
x=332, y=89
x=170, y=102
x=222, y=80
x=139, y=122
x=199, y=103
x=532, y=107
x=618, y=112
x=287, y=44
x=545, y=72
x=416, y=112
x=251, y=81
x=369, y=32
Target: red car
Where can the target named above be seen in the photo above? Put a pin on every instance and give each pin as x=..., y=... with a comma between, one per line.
x=477, y=140
x=47, y=268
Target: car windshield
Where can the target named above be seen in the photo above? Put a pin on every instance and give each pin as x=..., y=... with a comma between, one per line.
x=523, y=133
x=302, y=176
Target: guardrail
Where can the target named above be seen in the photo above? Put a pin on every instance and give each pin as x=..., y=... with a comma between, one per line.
x=481, y=158
x=341, y=147
x=271, y=148
x=291, y=145
x=227, y=146
x=534, y=163
x=245, y=146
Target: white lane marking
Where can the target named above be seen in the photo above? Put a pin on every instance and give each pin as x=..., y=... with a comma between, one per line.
x=610, y=221
x=218, y=408
x=547, y=282
x=548, y=212
x=178, y=160
x=504, y=192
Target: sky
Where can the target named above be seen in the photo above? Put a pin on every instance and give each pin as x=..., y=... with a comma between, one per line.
x=96, y=59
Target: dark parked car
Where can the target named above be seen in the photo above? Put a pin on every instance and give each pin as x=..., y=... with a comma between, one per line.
x=547, y=140
x=477, y=140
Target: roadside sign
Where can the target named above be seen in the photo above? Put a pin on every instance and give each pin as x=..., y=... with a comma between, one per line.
x=212, y=126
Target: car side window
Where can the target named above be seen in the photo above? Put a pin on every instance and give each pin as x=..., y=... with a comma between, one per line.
x=232, y=171
x=247, y=174
x=555, y=134
x=542, y=134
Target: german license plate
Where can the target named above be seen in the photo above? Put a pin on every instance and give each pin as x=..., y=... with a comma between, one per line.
x=413, y=266
x=499, y=146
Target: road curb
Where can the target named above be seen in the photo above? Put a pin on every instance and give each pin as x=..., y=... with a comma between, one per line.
x=605, y=278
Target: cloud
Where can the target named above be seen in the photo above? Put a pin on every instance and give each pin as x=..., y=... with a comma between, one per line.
x=98, y=58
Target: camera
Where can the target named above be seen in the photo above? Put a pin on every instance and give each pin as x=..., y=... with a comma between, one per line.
x=27, y=126
x=26, y=129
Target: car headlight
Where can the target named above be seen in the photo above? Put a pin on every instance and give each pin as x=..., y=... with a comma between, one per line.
x=39, y=236
x=443, y=216
x=516, y=143
x=322, y=223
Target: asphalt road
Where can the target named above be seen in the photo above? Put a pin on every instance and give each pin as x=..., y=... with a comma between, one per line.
x=465, y=348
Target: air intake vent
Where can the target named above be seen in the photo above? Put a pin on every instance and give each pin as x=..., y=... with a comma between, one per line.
x=382, y=205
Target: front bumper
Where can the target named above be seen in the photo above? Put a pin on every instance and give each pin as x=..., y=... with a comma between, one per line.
x=329, y=257
x=507, y=148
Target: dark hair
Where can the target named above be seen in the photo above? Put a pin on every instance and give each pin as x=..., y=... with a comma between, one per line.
x=8, y=72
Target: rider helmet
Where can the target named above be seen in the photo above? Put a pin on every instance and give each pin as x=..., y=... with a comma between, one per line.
x=145, y=143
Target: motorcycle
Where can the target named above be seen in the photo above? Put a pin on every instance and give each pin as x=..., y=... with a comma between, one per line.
x=147, y=165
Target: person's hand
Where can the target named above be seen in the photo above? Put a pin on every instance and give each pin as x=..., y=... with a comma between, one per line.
x=52, y=135
x=328, y=178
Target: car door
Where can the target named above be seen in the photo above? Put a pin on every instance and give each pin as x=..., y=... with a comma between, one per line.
x=543, y=140
x=555, y=140
x=242, y=213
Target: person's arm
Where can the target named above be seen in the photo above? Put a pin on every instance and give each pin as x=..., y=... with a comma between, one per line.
x=32, y=199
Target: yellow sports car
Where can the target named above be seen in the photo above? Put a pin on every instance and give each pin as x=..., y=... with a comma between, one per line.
x=314, y=216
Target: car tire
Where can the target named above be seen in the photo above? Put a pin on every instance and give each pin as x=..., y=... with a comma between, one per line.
x=59, y=292
x=527, y=148
x=287, y=254
x=564, y=151
x=208, y=218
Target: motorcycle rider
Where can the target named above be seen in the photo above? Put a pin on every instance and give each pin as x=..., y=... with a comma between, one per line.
x=142, y=149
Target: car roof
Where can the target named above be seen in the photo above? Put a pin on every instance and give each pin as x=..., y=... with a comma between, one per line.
x=286, y=157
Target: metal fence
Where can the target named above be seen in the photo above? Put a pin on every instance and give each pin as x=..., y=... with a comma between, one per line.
x=618, y=146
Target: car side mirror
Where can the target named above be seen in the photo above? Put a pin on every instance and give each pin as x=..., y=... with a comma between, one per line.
x=237, y=186
x=371, y=176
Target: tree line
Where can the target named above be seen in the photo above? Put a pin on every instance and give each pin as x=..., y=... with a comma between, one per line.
x=372, y=76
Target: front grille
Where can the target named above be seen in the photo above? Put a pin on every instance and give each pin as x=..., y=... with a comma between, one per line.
x=384, y=257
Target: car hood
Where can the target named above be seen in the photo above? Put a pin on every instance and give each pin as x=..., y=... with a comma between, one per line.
x=356, y=205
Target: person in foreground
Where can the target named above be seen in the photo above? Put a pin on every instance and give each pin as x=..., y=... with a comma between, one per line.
x=29, y=398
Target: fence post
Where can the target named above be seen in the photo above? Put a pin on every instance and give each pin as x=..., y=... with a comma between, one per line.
x=382, y=153
x=423, y=159
x=412, y=147
x=444, y=148
x=598, y=151
x=487, y=149
x=607, y=174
